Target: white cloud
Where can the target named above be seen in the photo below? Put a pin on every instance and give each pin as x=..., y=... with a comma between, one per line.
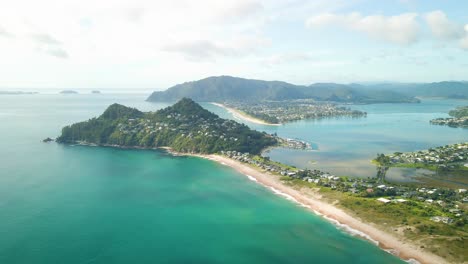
x=199, y=50
x=4, y=33
x=242, y=9
x=464, y=40
x=441, y=27
x=464, y=43
x=287, y=58
x=401, y=29
x=47, y=44
x=45, y=39
x=56, y=52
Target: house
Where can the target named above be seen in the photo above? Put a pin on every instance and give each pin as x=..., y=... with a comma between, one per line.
x=443, y=219
x=383, y=200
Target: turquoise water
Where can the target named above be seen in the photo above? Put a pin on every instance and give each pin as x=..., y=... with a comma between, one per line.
x=346, y=145
x=75, y=204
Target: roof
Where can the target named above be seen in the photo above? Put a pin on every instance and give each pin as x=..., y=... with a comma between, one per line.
x=383, y=200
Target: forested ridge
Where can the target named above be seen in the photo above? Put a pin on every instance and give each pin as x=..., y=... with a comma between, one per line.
x=184, y=127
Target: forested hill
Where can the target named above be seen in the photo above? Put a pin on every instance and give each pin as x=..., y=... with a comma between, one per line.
x=447, y=89
x=227, y=88
x=184, y=126
x=459, y=112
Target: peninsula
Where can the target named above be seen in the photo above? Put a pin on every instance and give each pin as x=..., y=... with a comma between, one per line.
x=248, y=117
x=184, y=127
x=16, y=92
x=68, y=92
x=279, y=112
x=367, y=206
x=449, y=157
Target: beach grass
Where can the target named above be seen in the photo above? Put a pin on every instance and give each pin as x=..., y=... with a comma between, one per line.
x=410, y=220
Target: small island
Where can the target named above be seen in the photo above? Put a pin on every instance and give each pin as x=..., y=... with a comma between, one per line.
x=16, y=92
x=95, y=92
x=459, y=118
x=68, y=92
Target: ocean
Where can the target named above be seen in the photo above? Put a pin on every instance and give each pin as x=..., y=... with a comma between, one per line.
x=78, y=204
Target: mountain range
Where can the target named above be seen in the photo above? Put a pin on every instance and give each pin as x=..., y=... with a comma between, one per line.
x=228, y=88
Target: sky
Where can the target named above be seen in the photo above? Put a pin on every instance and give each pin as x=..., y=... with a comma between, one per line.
x=152, y=44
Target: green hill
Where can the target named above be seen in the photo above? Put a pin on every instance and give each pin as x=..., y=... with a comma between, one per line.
x=227, y=88
x=459, y=112
x=184, y=127
x=447, y=89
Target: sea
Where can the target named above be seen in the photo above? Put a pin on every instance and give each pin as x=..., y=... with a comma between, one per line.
x=82, y=204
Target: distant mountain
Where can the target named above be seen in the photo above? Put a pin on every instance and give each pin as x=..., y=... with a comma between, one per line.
x=68, y=92
x=16, y=92
x=447, y=89
x=227, y=88
x=184, y=127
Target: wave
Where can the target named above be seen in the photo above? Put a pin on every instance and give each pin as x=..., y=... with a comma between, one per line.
x=341, y=226
x=252, y=178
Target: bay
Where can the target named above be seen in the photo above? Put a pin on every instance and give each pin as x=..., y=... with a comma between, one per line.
x=346, y=146
x=76, y=204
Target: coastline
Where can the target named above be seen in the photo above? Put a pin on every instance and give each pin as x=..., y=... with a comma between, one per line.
x=405, y=250
x=244, y=116
x=388, y=242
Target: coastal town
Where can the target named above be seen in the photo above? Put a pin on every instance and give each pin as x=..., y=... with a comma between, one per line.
x=459, y=118
x=443, y=157
x=450, y=204
x=293, y=110
x=187, y=128
x=183, y=126
x=451, y=122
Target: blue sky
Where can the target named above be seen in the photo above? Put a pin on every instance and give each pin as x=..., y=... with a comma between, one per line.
x=146, y=44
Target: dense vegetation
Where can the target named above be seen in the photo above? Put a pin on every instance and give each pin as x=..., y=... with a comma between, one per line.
x=409, y=220
x=227, y=88
x=459, y=112
x=185, y=127
x=459, y=118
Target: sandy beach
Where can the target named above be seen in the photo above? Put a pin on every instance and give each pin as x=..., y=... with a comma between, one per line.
x=386, y=241
x=243, y=116
x=390, y=242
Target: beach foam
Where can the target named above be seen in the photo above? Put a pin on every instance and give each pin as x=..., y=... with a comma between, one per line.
x=341, y=226
x=413, y=261
x=251, y=178
x=351, y=231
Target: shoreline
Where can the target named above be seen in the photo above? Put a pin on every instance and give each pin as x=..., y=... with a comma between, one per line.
x=388, y=242
x=403, y=249
x=241, y=115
